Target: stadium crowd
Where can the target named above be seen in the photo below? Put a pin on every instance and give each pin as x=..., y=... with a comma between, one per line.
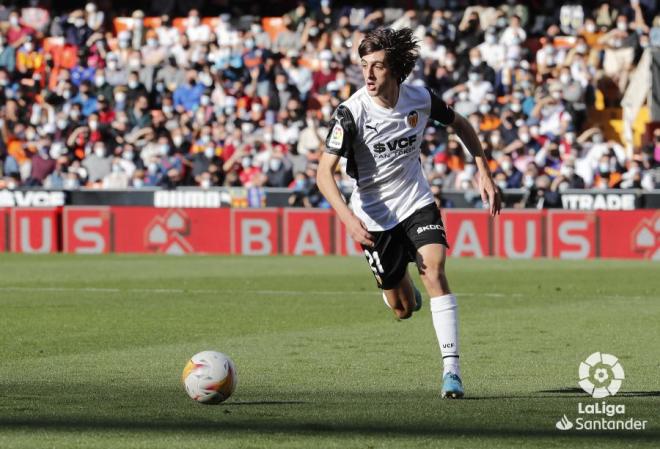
x=222, y=102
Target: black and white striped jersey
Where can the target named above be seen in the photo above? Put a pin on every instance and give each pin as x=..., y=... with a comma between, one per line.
x=382, y=148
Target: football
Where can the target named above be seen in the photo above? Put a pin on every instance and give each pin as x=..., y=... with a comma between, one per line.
x=209, y=377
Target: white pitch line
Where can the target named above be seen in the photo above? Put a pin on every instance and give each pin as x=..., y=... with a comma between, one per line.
x=212, y=291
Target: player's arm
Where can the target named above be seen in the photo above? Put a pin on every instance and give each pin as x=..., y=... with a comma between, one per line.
x=442, y=113
x=489, y=192
x=337, y=144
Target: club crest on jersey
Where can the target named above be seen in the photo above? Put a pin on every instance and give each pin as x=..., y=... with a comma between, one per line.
x=412, y=118
x=336, y=137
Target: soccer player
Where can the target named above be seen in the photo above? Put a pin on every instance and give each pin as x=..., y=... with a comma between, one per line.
x=393, y=216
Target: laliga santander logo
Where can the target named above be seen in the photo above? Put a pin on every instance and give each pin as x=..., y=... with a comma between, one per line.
x=601, y=375
x=166, y=234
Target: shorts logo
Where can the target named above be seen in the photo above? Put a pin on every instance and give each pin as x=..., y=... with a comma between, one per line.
x=412, y=119
x=432, y=227
x=336, y=137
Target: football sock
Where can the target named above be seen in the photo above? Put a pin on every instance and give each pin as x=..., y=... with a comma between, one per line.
x=445, y=321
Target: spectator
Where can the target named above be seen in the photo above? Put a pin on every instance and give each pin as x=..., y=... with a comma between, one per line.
x=97, y=163
x=160, y=100
x=187, y=96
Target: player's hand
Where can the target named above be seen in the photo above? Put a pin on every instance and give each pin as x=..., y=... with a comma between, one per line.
x=490, y=194
x=358, y=231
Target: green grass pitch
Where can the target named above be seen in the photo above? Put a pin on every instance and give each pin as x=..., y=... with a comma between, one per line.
x=92, y=350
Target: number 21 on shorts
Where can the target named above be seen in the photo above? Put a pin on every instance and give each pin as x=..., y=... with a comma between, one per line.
x=374, y=262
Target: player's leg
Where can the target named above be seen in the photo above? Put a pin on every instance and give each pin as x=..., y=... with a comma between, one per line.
x=426, y=231
x=388, y=260
x=401, y=298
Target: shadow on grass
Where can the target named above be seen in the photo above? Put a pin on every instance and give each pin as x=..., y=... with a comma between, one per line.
x=579, y=391
x=239, y=403
x=311, y=429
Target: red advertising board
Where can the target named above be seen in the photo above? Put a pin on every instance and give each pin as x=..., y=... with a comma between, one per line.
x=4, y=230
x=571, y=235
x=86, y=230
x=468, y=232
x=170, y=231
x=519, y=234
x=256, y=231
x=629, y=234
x=35, y=230
x=471, y=233
x=307, y=231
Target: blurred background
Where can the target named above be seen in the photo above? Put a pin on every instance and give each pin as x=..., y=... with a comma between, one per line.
x=235, y=96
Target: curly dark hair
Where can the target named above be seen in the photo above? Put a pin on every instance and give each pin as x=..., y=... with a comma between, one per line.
x=401, y=49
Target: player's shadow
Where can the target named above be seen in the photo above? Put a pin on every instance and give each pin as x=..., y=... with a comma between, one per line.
x=574, y=391
x=240, y=403
x=309, y=428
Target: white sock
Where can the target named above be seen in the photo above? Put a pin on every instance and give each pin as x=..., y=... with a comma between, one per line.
x=445, y=321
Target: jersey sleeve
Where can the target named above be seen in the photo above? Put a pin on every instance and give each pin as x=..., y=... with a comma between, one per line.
x=440, y=111
x=341, y=132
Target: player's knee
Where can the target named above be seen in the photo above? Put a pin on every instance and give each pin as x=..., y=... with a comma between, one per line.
x=436, y=273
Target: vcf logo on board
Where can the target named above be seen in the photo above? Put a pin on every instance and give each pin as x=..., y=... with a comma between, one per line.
x=167, y=234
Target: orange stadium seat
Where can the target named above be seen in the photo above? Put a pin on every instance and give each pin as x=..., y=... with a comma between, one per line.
x=122, y=24
x=179, y=23
x=152, y=22
x=273, y=26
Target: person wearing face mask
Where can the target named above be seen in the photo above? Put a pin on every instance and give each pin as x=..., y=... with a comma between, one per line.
x=101, y=87
x=573, y=95
x=97, y=163
x=513, y=34
x=135, y=88
x=476, y=64
x=138, y=115
x=489, y=119
x=28, y=58
x=326, y=73
x=470, y=33
x=42, y=165
x=76, y=31
x=116, y=74
x=201, y=161
x=477, y=87
x=300, y=76
x=7, y=56
x=153, y=53
x=620, y=43
x=187, y=96
x=492, y=51
x=117, y=178
x=568, y=178
x=16, y=31
x=462, y=103
x=604, y=176
x=281, y=92
x=86, y=99
x=127, y=160
x=551, y=113
x=514, y=177
x=279, y=171
x=196, y=31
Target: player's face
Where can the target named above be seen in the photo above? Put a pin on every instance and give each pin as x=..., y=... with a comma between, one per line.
x=375, y=72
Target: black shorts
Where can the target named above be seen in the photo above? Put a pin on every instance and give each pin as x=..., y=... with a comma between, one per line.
x=395, y=248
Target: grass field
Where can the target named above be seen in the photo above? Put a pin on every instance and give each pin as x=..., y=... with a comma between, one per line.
x=92, y=349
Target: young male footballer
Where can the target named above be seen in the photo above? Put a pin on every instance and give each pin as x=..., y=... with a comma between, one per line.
x=392, y=214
